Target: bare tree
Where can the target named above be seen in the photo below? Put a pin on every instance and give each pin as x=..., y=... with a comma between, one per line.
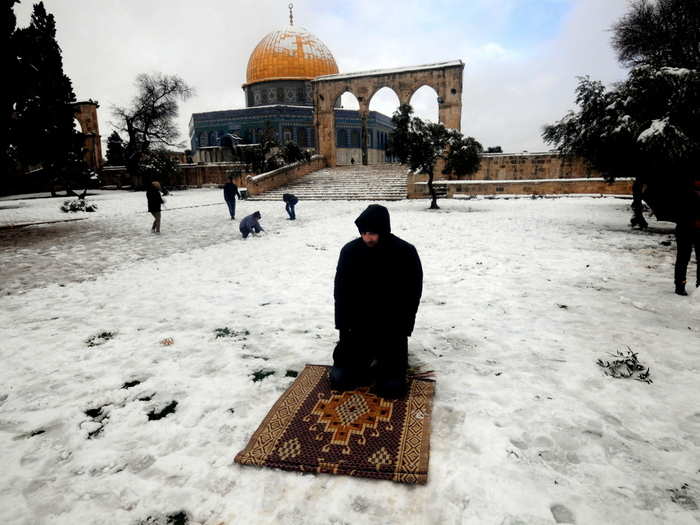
x=150, y=120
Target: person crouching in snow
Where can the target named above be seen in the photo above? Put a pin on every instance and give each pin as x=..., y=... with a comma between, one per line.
x=291, y=201
x=378, y=285
x=250, y=224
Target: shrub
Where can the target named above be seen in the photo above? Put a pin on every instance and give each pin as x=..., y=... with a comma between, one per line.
x=78, y=205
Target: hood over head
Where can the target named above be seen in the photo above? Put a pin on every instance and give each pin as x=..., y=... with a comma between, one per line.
x=374, y=219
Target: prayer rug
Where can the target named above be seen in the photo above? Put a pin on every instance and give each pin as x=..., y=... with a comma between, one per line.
x=313, y=428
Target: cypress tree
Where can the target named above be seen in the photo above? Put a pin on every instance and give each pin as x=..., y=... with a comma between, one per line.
x=42, y=127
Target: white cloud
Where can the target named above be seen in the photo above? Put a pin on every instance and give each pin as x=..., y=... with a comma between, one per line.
x=510, y=90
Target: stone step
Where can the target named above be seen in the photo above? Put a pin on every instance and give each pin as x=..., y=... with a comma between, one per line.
x=379, y=182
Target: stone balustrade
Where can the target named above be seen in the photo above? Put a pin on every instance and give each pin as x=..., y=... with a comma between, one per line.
x=257, y=184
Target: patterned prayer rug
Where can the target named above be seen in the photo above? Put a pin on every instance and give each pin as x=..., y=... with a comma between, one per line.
x=313, y=428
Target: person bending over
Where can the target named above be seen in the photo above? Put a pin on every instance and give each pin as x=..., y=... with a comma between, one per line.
x=251, y=224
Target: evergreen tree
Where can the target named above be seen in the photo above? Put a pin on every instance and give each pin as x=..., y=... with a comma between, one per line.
x=648, y=126
x=41, y=128
x=9, y=154
x=422, y=144
x=115, y=150
x=663, y=33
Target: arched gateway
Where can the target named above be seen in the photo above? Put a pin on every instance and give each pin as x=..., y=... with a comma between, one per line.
x=445, y=78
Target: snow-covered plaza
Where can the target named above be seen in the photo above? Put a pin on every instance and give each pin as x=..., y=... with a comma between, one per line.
x=105, y=325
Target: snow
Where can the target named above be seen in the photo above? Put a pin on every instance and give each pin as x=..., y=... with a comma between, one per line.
x=390, y=71
x=519, y=181
x=298, y=41
x=656, y=127
x=676, y=71
x=520, y=299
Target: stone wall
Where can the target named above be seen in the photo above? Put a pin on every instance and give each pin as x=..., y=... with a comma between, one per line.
x=257, y=184
x=519, y=166
x=344, y=156
x=189, y=175
x=451, y=189
x=522, y=173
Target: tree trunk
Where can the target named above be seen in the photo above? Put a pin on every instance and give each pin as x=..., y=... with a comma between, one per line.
x=637, y=205
x=433, y=195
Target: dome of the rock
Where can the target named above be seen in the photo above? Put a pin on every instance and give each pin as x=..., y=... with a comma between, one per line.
x=289, y=53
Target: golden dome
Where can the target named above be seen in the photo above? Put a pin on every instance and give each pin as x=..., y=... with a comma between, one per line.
x=290, y=53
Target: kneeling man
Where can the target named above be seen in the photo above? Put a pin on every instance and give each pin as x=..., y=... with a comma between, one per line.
x=378, y=285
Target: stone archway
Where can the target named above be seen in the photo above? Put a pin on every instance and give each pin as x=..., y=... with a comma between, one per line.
x=86, y=115
x=445, y=78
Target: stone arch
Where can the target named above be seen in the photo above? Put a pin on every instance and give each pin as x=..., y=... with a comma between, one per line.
x=445, y=78
x=347, y=106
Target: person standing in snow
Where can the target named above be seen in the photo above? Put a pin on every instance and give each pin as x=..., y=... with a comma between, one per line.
x=290, y=201
x=687, y=235
x=230, y=194
x=250, y=224
x=154, y=202
x=378, y=285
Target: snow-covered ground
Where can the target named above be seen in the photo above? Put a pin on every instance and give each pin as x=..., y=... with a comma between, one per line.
x=521, y=297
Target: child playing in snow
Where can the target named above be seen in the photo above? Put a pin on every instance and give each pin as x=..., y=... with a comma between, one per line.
x=250, y=224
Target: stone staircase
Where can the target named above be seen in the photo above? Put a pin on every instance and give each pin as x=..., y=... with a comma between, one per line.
x=379, y=182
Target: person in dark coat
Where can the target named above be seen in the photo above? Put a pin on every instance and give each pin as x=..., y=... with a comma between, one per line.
x=251, y=224
x=687, y=234
x=154, y=202
x=378, y=285
x=290, y=201
x=230, y=194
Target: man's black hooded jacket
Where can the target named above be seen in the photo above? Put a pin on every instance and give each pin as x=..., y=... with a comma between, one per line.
x=377, y=289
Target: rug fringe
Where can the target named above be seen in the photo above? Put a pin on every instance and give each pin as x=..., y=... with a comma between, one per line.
x=428, y=374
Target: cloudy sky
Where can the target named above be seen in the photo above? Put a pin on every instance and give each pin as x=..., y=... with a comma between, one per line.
x=522, y=56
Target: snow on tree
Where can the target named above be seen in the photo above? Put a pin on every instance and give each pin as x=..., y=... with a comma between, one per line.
x=648, y=126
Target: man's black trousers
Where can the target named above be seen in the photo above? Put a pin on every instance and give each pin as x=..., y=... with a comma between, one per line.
x=366, y=358
x=686, y=238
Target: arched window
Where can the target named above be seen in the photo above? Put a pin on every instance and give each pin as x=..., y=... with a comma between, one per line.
x=342, y=138
x=302, y=141
x=355, y=138
x=212, y=138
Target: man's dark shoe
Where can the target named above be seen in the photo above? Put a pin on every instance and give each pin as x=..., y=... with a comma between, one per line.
x=680, y=289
